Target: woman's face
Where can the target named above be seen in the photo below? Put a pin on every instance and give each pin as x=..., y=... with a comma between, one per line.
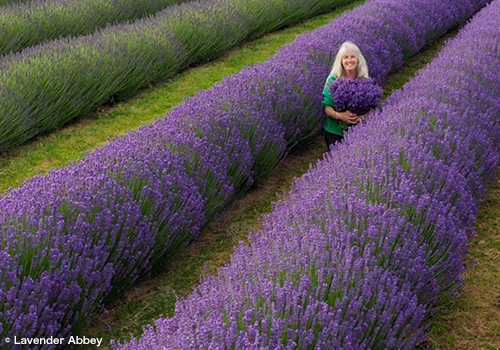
x=350, y=62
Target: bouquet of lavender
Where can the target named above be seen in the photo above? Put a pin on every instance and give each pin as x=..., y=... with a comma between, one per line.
x=358, y=96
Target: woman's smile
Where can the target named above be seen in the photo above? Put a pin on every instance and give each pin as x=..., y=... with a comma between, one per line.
x=350, y=61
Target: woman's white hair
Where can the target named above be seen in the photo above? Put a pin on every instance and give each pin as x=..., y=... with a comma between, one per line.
x=337, y=68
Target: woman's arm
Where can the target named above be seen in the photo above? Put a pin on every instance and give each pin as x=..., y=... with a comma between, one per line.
x=346, y=117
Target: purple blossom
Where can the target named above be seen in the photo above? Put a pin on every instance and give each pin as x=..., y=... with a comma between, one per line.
x=358, y=96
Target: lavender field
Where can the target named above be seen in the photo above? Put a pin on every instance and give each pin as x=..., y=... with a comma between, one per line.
x=29, y=23
x=357, y=256
x=367, y=243
x=48, y=85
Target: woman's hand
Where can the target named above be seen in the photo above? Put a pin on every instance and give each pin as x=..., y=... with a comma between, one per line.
x=347, y=117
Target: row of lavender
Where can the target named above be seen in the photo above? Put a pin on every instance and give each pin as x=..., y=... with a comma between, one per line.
x=83, y=233
x=48, y=85
x=28, y=23
x=9, y=2
x=367, y=243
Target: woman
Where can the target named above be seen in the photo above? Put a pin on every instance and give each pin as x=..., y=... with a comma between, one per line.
x=349, y=64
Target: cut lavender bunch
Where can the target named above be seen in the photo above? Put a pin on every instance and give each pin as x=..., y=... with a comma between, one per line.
x=358, y=96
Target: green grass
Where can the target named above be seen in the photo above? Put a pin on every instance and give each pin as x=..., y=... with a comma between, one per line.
x=157, y=295
x=69, y=143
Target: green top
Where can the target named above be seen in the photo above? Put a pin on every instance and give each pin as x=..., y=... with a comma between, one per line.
x=331, y=125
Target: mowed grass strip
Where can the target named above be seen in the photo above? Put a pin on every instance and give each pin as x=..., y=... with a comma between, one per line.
x=157, y=296
x=85, y=134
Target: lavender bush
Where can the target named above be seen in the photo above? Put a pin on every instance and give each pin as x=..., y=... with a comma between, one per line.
x=60, y=257
x=48, y=85
x=166, y=180
x=9, y=2
x=367, y=243
x=28, y=23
